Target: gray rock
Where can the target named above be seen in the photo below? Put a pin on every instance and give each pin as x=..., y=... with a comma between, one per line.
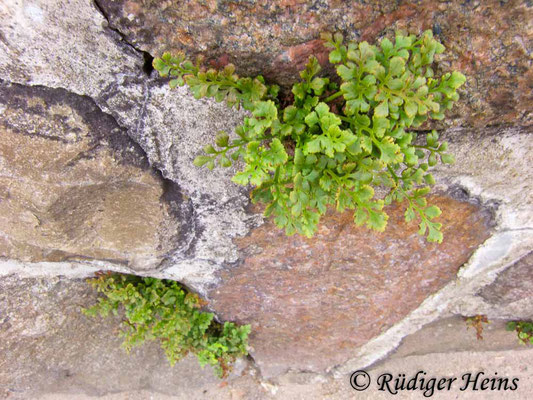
x=52, y=351
x=62, y=44
x=172, y=128
x=509, y=296
x=48, y=345
x=75, y=187
x=452, y=335
x=494, y=164
x=512, y=285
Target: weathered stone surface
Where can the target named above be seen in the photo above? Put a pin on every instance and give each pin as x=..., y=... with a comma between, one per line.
x=76, y=51
x=509, y=296
x=489, y=41
x=451, y=335
x=494, y=164
x=172, y=128
x=514, y=284
x=507, y=363
x=492, y=364
x=51, y=351
x=62, y=44
x=73, y=186
x=48, y=345
x=305, y=297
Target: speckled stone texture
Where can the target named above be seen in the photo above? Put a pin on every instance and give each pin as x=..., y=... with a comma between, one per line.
x=63, y=44
x=489, y=41
x=74, y=186
x=48, y=345
x=513, y=285
x=78, y=132
x=51, y=351
x=311, y=302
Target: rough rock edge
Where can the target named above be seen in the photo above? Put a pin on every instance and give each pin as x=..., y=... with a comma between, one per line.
x=495, y=255
x=510, y=241
x=184, y=264
x=507, y=245
x=147, y=56
x=205, y=251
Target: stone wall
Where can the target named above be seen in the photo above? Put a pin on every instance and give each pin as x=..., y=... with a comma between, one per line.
x=489, y=41
x=96, y=174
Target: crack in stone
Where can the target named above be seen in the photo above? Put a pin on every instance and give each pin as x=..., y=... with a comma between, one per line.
x=187, y=246
x=523, y=229
x=147, y=57
x=185, y=251
x=187, y=212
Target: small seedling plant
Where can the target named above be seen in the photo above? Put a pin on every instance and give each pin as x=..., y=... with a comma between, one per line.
x=161, y=310
x=523, y=329
x=477, y=322
x=340, y=138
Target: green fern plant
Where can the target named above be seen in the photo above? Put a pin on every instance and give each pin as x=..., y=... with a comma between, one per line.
x=335, y=143
x=159, y=309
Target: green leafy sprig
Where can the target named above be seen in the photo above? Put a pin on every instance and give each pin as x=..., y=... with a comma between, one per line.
x=523, y=329
x=223, y=85
x=334, y=144
x=156, y=309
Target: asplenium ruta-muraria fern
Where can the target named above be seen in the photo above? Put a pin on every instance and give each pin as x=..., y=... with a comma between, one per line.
x=161, y=310
x=335, y=143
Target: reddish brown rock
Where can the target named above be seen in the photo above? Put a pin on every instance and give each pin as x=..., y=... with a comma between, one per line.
x=489, y=41
x=312, y=302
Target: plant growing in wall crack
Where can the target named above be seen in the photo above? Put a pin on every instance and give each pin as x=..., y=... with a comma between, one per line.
x=523, y=329
x=335, y=143
x=158, y=309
